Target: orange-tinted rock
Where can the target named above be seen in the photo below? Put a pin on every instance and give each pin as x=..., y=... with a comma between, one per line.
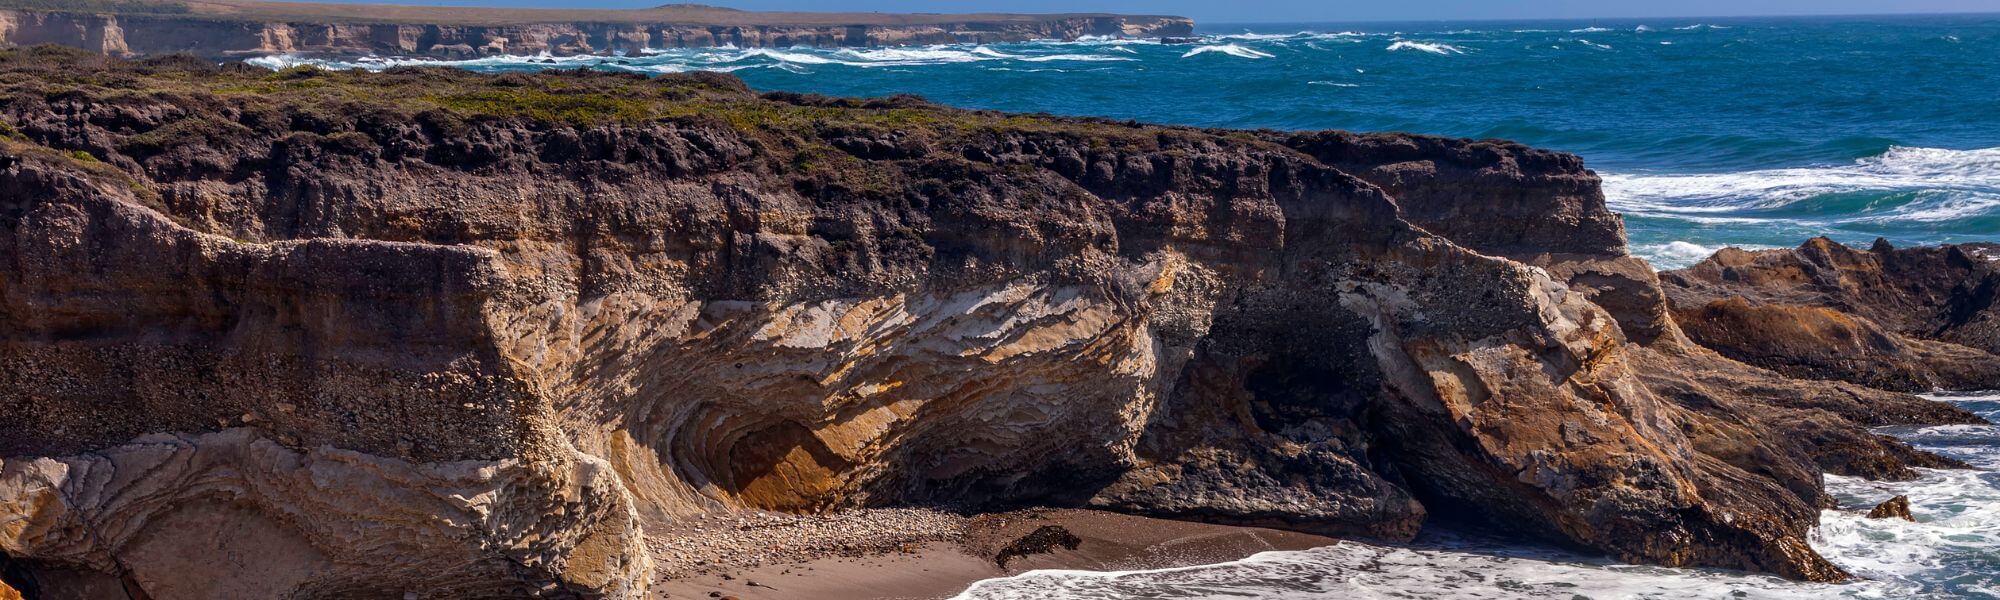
x=1914, y=319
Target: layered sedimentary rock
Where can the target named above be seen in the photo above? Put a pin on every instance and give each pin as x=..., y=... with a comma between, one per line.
x=237, y=29
x=524, y=316
x=1913, y=319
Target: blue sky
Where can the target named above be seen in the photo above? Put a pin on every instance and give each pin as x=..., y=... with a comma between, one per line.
x=1216, y=11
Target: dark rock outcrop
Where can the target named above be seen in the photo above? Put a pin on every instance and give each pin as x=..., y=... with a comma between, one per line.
x=520, y=317
x=1910, y=319
x=241, y=28
x=1893, y=508
x=1042, y=540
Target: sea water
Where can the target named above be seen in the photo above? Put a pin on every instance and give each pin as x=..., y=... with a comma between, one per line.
x=1712, y=132
x=1708, y=133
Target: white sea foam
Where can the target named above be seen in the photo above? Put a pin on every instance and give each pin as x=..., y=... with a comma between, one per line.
x=1248, y=36
x=1229, y=49
x=1700, y=26
x=1590, y=30
x=1955, y=541
x=1641, y=29
x=1592, y=44
x=724, y=58
x=991, y=53
x=1448, y=571
x=1077, y=57
x=1431, y=47
x=1942, y=185
x=1334, y=84
x=1675, y=254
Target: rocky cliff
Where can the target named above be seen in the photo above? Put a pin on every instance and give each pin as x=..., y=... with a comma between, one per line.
x=218, y=29
x=437, y=333
x=1914, y=319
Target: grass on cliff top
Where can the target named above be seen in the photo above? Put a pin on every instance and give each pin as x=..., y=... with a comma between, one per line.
x=580, y=99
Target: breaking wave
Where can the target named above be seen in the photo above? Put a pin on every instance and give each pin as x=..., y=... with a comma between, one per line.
x=1431, y=47
x=1924, y=184
x=1229, y=49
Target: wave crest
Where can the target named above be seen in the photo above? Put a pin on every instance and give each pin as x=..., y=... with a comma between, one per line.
x=1431, y=47
x=1229, y=49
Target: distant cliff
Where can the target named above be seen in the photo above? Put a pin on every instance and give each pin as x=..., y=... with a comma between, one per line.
x=227, y=29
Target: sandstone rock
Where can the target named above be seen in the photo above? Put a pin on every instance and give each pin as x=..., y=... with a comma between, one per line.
x=1897, y=507
x=1914, y=319
x=530, y=337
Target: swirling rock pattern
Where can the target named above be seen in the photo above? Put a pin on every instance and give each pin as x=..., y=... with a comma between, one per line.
x=527, y=325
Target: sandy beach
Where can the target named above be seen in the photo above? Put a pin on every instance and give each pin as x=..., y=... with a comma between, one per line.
x=943, y=554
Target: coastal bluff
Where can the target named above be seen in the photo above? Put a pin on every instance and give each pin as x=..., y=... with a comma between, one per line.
x=432, y=333
x=220, y=29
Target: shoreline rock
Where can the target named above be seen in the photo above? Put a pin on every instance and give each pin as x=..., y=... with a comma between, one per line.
x=1893, y=508
x=1905, y=319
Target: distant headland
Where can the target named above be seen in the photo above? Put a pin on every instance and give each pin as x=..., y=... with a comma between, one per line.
x=239, y=28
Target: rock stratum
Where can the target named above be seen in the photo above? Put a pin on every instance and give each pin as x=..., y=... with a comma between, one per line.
x=241, y=28
x=429, y=333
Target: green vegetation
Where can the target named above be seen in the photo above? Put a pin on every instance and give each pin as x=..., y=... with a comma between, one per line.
x=582, y=110
x=175, y=106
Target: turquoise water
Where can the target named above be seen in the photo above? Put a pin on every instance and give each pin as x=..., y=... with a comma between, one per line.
x=1749, y=132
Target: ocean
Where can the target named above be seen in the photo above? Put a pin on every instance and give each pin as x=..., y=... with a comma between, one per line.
x=1753, y=133
x=1708, y=132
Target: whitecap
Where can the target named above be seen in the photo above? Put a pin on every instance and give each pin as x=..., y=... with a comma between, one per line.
x=1641, y=29
x=1431, y=47
x=1590, y=30
x=1249, y=36
x=991, y=53
x=1077, y=57
x=1334, y=84
x=1592, y=44
x=1229, y=49
x=1943, y=185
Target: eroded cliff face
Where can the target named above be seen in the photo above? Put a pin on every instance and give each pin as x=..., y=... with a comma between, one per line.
x=214, y=36
x=529, y=315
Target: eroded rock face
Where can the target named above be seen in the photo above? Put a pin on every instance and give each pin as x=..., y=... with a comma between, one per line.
x=546, y=332
x=1913, y=319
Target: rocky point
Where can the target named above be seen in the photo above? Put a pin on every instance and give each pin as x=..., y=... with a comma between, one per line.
x=445, y=334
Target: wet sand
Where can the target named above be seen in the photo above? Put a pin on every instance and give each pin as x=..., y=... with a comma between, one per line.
x=941, y=569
